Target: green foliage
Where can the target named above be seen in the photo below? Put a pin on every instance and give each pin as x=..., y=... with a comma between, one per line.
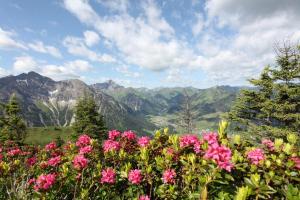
x=88, y=120
x=272, y=108
x=12, y=126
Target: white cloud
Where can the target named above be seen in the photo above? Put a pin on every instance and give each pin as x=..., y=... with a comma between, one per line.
x=25, y=64
x=39, y=46
x=124, y=69
x=115, y=5
x=76, y=46
x=79, y=65
x=3, y=72
x=7, y=41
x=91, y=38
x=199, y=25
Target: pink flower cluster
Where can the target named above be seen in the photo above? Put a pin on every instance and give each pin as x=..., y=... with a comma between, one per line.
x=80, y=162
x=255, y=156
x=144, y=141
x=50, y=146
x=269, y=144
x=113, y=134
x=54, y=161
x=14, y=152
x=169, y=176
x=108, y=176
x=110, y=145
x=135, y=176
x=44, y=182
x=83, y=140
x=296, y=160
x=130, y=135
x=190, y=140
x=86, y=150
x=31, y=161
x=211, y=137
x=220, y=154
x=144, y=197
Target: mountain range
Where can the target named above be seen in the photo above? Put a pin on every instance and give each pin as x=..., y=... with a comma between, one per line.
x=46, y=102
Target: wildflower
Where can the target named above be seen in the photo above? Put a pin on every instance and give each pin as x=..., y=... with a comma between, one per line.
x=169, y=176
x=54, y=161
x=255, y=156
x=31, y=161
x=269, y=144
x=83, y=140
x=50, y=146
x=14, y=152
x=135, y=176
x=144, y=197
x=80, y=162
x=86, y=149
x=130, y=135
x=296, y=160
x=110, y=145
x=113, y=134
x=188, y=140
x=108, y=176
x=44, y=182
x=143, y=141
x=31, y=181
x=211, y=138
x=221, y=155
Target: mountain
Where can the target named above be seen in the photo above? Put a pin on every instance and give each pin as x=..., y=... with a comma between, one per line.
x=47, y=102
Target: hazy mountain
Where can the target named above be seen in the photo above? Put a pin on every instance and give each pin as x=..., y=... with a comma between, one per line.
x=47, y=102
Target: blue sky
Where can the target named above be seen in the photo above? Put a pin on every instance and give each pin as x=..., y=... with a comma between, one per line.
x=145, y=43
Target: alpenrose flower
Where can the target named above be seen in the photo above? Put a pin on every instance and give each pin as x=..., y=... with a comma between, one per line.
x=255, y=156
x=221, y=155
x=144, y=197
x=54, y=161
x=109, y=145
x=296, y=160
x=83, y=140
x=44, y=182
x=14, y=152
x=211, y=137
x=130, y=135
x=80, y=162
x=135, y=176
x=169, y=176
x=113, y=134
x=144, y=141
x=50, y=146
x=188, y=140
x=108, y=176
x=269, y=144
x=86, y=150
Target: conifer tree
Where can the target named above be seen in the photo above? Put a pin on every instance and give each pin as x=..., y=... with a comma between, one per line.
x=88, y=120
x=13, y=126
x=273, y=106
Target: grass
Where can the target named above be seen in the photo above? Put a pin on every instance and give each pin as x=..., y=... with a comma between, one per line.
x=44, y=135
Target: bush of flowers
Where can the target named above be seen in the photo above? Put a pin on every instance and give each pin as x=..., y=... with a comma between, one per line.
x=125, y=166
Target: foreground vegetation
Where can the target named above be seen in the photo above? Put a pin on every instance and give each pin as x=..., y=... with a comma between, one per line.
x=166, y=167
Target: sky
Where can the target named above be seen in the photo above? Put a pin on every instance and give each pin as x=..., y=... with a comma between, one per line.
x=163, y=43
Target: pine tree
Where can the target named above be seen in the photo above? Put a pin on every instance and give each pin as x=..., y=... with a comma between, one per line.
x=273, y=106
x=13, y=126
x=187, y=115
x=88, y=120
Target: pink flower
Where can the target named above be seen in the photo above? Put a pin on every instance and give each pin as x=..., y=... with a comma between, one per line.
x=44, y=182
x=31, y=181
x=269, y=144
x=113, y=134
x=135, y=176
x=255, y=156
x=144, y=141
x=110, y=145
x=169, y=176
x=188, y=140
x=221, y=155
x=296, y=160
x=211, y=138
x=50, y=146
x=144, y=197
x=83, y=140
x=80, y=162
x=54, y=161
x=108, y=176
x=130, y=135
x=14, y=152
x=86, y=150
x=31, y=161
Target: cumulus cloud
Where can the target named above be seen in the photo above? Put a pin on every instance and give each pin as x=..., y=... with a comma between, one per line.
x=7, y=40
x=39, y=46
x=25, y=64
x=91, y=38
x=77, y=46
